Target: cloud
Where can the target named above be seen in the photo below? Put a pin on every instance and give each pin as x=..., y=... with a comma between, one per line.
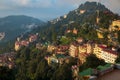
x=21, y=2
x=10, y=4
x=113, y=5
x=48, y=8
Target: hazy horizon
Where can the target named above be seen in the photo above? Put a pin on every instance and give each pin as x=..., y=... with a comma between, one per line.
x=47, y=9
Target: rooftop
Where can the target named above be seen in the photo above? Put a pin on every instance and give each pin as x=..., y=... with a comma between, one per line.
x=87, y=72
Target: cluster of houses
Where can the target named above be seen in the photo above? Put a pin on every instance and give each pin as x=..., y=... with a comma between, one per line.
x=19, y=43
x=113, y=32
x=7, y=60
x=81, y=50
x=74, y=31
x=54, y=21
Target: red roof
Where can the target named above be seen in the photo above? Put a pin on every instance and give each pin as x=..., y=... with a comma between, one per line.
x=102, y=46
x=111, y=51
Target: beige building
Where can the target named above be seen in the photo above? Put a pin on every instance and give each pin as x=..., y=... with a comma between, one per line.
x=108, y=55
x=17, y=45
x=73, y=50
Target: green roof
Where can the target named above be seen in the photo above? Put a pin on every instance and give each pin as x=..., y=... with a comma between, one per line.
x=87, y=72
x=60, y=55
x=103, y=67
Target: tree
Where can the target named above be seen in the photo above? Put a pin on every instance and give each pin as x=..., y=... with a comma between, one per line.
x=63, y=73
x=118, y=36
x=42, y=70
x=118, y=59
x=6, y=73
x=92, y=62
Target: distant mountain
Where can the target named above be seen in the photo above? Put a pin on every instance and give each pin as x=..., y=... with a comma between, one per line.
x=14, y=26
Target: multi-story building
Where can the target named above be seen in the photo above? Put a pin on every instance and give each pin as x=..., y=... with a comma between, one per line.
x=82, y=57
x=90, y=46
x=82, y=49
x=108, y=55
x=19, y=44
x=73, y=50
x=85, y=50
x=7, y=59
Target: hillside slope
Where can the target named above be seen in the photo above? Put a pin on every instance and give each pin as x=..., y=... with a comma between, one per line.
x=14, y=26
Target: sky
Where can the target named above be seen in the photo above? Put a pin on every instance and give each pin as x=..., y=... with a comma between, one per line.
x=48, y=9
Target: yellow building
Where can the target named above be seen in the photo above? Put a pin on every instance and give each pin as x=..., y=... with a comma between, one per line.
x=73, y=50
x=100, y=35
x=51, y=48
x=82, y=57
x=90, y=46
x=82, y=49
x=97, y=51
x=115, y=25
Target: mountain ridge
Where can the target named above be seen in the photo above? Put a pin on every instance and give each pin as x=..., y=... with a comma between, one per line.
x=83, y=21
x=15, y=25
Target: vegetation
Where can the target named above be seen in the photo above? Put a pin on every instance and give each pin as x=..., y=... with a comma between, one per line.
x=14, y=26
x=31, y=65
x=7, y=74
x=118, y=58
x=92, y=62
